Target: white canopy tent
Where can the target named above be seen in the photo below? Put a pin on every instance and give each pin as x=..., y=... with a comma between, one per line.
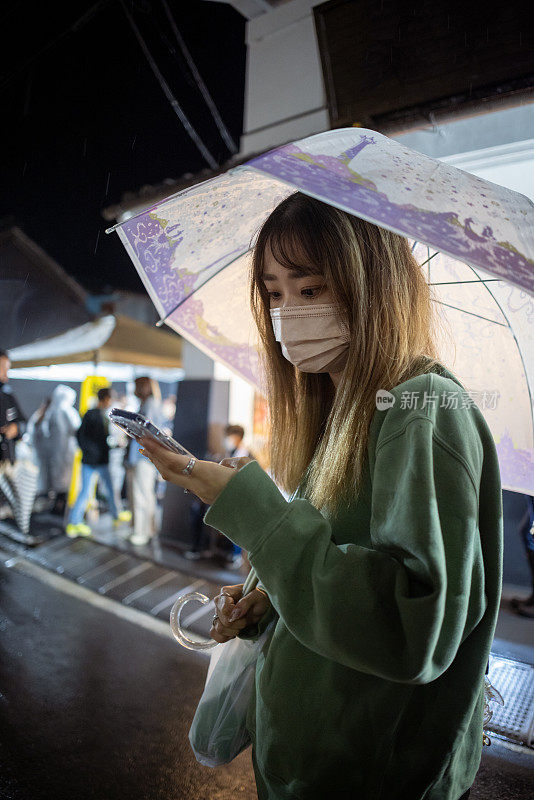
x=109, y=340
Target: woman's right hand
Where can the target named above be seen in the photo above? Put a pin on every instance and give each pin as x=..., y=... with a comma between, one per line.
x=236, y=612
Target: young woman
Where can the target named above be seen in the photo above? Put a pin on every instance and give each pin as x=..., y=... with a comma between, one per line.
x=383, y=572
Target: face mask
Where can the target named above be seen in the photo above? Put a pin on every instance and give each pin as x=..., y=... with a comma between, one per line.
x=314, y=338
x=229, y=443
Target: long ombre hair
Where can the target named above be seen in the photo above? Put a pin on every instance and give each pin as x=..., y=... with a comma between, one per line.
x=316, y=432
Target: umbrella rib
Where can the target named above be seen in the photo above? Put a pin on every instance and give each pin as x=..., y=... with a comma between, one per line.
x=160, y=322
x=479, y=279
x=429, y=258
x=505, y=315
x=472, y=314
x=457, y=283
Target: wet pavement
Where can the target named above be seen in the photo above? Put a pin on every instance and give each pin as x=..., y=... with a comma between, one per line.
x=96, y=698
x=95, y=706
x=149, y=578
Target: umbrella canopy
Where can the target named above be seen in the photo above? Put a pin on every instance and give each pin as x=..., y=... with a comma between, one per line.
x=474, y=240
x=110, y=338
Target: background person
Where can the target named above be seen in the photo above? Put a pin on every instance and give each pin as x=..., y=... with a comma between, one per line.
x=201, y=536
x=12, y=422
x=38, y=443
x=525, y=607
x=230, y=553
x=93, y=437
x=233, y=442
x=141, y=475
x=11, y=417
x=383, y=572
x=58, y=429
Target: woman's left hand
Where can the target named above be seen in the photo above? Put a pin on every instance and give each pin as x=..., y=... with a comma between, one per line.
x=207, y=480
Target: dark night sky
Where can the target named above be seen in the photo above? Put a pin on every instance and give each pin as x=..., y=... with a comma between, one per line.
x=87, y=119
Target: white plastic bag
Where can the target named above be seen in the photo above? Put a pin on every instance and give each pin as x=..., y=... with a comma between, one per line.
x=218, y=731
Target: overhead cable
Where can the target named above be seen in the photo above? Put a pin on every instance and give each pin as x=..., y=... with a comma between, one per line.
x=223, y=130
x=168, y=93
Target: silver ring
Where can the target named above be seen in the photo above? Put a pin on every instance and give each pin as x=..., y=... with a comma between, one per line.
x=213, y=620
x=190, y=464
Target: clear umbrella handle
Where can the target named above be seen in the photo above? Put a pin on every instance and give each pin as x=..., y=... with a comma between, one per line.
x=251, y=581
x=176, y=623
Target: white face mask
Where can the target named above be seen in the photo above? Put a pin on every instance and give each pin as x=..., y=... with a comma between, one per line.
x=229, y=444
x=314, y=338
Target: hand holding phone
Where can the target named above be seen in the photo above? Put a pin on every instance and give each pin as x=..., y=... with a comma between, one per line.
x=137, y=426
x=206, y=479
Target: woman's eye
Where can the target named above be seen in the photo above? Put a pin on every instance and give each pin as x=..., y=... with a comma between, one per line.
x=310, y=292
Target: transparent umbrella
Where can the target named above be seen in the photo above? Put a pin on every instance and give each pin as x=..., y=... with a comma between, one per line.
x=474, y=240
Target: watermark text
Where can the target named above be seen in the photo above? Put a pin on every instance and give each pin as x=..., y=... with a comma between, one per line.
x=454, y=399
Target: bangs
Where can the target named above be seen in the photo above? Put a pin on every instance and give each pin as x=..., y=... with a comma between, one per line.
x=293, y=252
x=293, y=237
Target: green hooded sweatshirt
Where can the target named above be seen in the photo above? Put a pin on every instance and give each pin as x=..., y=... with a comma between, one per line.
x=372, y=685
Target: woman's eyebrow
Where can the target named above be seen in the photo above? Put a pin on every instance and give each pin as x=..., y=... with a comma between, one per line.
x=292, y=274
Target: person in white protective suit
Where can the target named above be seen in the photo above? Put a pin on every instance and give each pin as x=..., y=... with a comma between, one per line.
x=39, y=444
x=58, y=428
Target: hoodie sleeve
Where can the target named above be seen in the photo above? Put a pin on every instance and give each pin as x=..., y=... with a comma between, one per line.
x=398, y=610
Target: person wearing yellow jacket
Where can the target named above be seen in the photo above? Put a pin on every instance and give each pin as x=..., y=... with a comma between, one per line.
x=383, y=571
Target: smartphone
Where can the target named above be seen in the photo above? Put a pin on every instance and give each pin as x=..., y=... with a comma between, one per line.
x=136, y=425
